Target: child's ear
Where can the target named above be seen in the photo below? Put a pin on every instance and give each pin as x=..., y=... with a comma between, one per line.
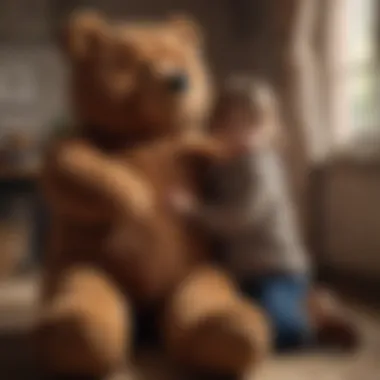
x=83, y=33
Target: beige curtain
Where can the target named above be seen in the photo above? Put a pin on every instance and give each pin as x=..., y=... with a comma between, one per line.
x=291, y=31
x=378, y=29
x=303, y=36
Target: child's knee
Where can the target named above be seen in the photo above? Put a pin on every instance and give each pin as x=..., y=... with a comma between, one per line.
x=284, y=300
x=291, y=331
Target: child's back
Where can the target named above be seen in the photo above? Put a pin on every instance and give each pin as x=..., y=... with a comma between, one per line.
x=244, y=200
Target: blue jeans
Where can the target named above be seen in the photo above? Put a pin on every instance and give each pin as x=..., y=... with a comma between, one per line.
x=284, y=299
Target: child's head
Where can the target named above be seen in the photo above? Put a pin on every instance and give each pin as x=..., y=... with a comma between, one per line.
x=246, y=113
x=244, y=122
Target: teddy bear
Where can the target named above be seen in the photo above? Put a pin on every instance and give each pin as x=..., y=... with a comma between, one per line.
x=140, y=93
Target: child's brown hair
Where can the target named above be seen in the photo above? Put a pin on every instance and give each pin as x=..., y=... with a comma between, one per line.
x=248, y=104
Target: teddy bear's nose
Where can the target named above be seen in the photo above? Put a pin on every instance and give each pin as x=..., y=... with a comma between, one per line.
x=177, y=83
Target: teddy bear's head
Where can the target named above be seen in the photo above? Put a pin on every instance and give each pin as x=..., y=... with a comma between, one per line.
x=137, y=80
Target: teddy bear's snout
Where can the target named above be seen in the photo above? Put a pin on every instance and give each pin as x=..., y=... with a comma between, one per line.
x=177, y=83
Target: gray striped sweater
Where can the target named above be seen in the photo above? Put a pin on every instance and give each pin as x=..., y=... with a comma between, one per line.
x=250, y=210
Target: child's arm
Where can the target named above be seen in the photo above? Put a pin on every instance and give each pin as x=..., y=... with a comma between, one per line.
x=219, y=221
x=113, y=183
x=203, y=149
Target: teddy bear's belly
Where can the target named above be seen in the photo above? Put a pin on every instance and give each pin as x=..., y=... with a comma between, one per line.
x=151, y=276
x=145, y=276
x=79, y=241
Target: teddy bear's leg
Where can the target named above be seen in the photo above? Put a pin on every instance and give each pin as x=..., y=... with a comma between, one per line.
x=84, y=327
x=209, y=327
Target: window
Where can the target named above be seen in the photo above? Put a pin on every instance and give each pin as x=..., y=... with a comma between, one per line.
x=363, y=79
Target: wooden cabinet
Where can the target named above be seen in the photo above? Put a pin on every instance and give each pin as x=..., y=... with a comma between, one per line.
x=351, y=218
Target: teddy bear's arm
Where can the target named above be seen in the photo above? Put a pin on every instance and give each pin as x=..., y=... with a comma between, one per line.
x=207, y=148
x=114, y=183
x=195, y=155
x=67, y=200
x=214, y=219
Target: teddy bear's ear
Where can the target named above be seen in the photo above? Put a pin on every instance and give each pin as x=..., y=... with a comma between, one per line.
x=187, y=28
x=82, y=32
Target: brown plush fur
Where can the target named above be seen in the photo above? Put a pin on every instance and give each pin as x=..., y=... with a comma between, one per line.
x=159, y=262
x=100, y=188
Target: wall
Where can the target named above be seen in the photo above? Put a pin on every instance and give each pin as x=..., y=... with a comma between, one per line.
x=31, y=88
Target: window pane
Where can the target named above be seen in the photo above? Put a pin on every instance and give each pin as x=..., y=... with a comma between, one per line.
x=362, y=74
x=363, y=95
x=361, y=27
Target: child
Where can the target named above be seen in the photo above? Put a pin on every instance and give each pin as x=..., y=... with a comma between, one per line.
x=245, y=205
x=243, y=202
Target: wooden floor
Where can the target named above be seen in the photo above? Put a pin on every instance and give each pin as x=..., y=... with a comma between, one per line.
x=17, y=313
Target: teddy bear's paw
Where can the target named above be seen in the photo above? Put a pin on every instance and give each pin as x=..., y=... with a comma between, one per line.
x=229, y=341
x=70, y=339
x=62, y=346
x=232, y=342
x=143, y=201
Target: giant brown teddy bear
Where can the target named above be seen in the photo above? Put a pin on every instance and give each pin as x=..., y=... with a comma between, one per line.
x=115, y=249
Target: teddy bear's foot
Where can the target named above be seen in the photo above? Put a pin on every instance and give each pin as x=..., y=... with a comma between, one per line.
x=83, y=330
x=210, y=328
x=230, y=341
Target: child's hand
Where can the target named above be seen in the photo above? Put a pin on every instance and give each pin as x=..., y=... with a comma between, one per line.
x=237, y=143
x=182, y=202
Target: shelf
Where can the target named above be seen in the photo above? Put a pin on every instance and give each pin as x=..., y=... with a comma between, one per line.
x=18, y=298
x=11, y=175
x=18, y=181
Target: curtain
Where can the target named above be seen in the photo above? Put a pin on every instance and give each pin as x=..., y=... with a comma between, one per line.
x=292, y=57
x=378, y=30
x=301, y=48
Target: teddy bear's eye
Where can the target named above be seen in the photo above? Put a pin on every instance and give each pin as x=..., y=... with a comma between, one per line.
x=173, y=78
x=177, y=82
